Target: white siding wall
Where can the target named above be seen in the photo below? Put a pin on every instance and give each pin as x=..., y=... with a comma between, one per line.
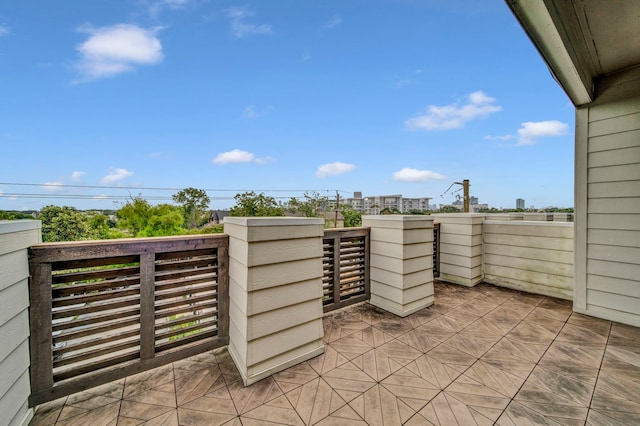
x=536, y=257
x=608, y=197
x=15, y=238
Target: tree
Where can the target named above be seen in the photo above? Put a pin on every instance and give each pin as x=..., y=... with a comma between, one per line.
x=137, y=218
x=64, y=224
x=449, y=209
x=313, y=205
x=6, y=215
x=250, y=204
x=163, y=220
x=352, y=217
x=133, y=217
x=390, y=210
x=195, y=203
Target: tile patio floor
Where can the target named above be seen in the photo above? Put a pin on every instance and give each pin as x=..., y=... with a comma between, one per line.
x=478, y=356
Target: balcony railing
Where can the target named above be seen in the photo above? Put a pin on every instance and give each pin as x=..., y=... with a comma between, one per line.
x=346, y=267
x=102, y=310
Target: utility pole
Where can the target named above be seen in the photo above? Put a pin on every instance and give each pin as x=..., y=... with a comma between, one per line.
x=335, y=223
x=465, y=191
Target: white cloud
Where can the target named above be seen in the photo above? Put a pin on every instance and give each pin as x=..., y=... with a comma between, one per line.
x=100, y=197
x=453, y=116
x=114, y=175
x=333, y=169
x=4, y=31
x=116, y=49
x=251, y=112
x=55, y=186
x=334, y=22
x=239, y=26
x=499, y=138
x=235, y=156
x=155, y=7
x=77, y=176
x=532, y=130
x=414, y=175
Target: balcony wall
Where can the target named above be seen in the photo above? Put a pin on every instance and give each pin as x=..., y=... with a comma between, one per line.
x=15, y=239
x=536, y=257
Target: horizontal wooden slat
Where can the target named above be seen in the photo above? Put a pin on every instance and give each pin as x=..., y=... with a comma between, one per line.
x=67, y=251
x=97, y=286
x=194, y=328
x=162, y=347
x=189, y=308
x=201, y=261
x=96, y=274
x=72, y=347
x=96, y=319
x=95, y=297
x=99, y=330
x=95, y=366
x=90, y=263
x=87, y=355
x=95, y=307
x=162, y=308
x=184, y=254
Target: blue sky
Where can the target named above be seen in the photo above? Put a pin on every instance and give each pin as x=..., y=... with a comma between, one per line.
x=109, y=98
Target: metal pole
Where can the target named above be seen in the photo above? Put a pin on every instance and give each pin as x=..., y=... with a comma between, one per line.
x=465, y=187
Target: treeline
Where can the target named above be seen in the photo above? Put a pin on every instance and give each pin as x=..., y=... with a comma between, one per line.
x=189, y=215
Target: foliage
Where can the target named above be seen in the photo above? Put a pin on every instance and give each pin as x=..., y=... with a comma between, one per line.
x=449, y=209
x=313, y=205
x=64, y=224
x=194, y=203
x=352, y=217
x=163, y=220
x=390, y=210
x=137, y=218
x=208, y=229
x=250, y=204
x=6, y=215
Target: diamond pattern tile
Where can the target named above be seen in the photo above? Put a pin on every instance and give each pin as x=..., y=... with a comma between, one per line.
x=478, y=356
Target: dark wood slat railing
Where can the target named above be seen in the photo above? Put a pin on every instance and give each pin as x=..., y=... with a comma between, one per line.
x=346, y=267
x=102, y=310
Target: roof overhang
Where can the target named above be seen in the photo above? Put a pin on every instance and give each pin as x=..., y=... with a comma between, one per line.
x=592, y=47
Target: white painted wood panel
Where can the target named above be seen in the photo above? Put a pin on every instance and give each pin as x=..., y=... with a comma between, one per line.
x=614, y=285
x=614, y=173
x=622, y=189
x=617, y=141
x=621, y=156
x=613, y=237
x=615, y=206
x=627, y=271
x=614, y=253
x=628, y=222
x=614, y=109
x=618, y=124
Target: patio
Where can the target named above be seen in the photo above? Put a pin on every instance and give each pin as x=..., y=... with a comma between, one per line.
x=480, y=355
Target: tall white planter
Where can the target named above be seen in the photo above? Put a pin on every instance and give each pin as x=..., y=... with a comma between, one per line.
x=275, y=289
x=401, y=262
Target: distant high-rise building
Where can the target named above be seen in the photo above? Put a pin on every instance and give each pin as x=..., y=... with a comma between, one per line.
x=376, y=204
x=519, y=203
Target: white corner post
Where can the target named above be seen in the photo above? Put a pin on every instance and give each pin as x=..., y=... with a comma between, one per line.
x=275, y=292
x=401, y=262
x=15, y=239
x=460, y=247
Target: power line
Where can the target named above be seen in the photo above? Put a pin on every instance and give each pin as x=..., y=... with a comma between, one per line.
x=62, y=185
